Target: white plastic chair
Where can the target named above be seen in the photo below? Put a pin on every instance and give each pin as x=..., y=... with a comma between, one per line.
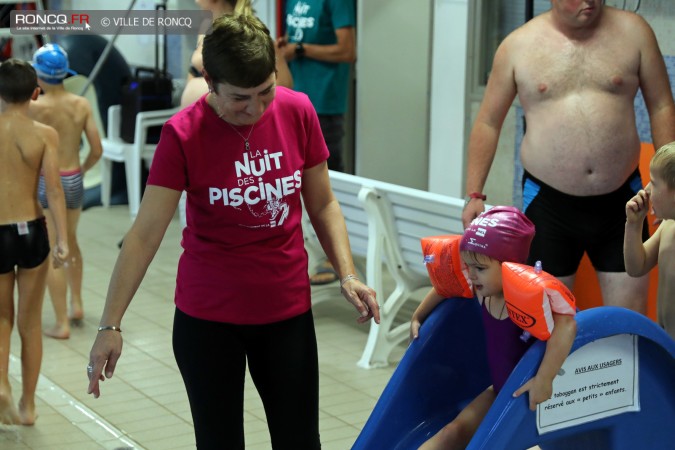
x=131, y=154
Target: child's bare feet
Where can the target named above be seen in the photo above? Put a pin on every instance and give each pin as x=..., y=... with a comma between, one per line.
x=27, y=412
x=8, y=413
x=58, y=331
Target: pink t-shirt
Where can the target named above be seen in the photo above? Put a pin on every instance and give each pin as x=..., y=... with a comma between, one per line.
x=243, y=260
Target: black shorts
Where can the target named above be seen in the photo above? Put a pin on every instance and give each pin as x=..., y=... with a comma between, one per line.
x=567, y=226
x=23, y=244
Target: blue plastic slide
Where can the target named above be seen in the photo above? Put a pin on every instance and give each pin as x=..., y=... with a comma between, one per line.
x=446, y=367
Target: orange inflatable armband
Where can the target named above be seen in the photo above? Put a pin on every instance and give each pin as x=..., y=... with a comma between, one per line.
x=446, y=269
x=532, y=296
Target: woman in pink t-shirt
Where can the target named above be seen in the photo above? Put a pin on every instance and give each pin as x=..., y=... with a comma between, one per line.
x=248, y=154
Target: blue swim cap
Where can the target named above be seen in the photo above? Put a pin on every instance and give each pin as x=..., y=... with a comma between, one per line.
x=51, y=63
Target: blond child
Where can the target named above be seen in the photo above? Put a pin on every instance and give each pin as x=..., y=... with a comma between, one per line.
x=70, y=115
x=501, y=234
x=640, y=257
x=26, y=149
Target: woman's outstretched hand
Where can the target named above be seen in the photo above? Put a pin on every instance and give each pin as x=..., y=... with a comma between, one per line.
x=363, y=298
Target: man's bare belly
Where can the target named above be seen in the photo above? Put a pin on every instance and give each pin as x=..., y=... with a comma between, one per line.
x=583, y=181
x=581, y=153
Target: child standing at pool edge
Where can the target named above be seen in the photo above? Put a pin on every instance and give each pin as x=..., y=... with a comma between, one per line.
x=70, y=115
x=640, y=258
x=27, y=148
x=501, y=234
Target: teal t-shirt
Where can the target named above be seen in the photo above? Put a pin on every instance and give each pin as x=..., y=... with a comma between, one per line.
x=315, y=22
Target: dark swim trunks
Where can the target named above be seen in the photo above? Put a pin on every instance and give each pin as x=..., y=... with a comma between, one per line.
x=567, y=226
x=23, y=244
x=504, y=346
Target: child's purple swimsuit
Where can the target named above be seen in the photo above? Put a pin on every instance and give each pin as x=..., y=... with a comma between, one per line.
x=504, y=347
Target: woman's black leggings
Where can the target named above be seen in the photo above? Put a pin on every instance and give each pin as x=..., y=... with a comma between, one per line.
x=283, y=362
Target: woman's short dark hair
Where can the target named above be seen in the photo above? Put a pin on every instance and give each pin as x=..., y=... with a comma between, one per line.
x=18, y=80
x=238, y=50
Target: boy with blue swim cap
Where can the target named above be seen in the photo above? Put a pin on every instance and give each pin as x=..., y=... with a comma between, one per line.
x=71, y=115
x=51, y=64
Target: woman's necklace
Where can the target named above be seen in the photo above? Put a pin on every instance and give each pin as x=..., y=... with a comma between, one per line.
x=248, y=147
x=220, y=116
x=490, y=308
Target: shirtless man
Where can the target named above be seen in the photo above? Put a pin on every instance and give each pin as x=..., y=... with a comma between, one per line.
x=70, y=115
x=26, y=149
x=576, y=70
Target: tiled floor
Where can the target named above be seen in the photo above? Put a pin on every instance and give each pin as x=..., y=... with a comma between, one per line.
x=144, y=405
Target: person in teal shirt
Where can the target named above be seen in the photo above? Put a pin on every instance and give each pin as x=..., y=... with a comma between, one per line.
x=320, y=45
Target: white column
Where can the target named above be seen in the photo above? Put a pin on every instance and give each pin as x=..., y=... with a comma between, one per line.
x=448, y=97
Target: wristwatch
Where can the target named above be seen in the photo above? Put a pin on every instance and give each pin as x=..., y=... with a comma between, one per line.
x=299, y=50
x=473, y=195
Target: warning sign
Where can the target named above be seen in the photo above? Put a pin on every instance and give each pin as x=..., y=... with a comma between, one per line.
x=599, y=380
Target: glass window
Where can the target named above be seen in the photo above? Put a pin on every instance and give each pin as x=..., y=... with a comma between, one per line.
x=496, y=19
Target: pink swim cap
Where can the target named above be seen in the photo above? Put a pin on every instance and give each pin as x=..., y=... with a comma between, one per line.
x=502, y=233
